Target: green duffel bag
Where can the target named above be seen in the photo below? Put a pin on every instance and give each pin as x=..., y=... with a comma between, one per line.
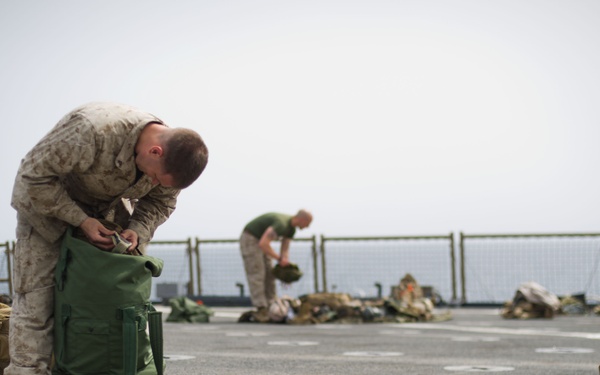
x=102, y=309
x=184, y=309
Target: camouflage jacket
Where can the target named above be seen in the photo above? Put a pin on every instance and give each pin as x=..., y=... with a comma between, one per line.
x=85, y=167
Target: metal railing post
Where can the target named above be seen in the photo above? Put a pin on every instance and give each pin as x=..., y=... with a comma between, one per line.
x=315, y=266
x=323, y=264
x=190, y=286
x=463, y=290
x=453, y=267
x=198, y=265
x=9, y=250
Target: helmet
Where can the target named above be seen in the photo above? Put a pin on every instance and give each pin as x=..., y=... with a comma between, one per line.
x=288, y=274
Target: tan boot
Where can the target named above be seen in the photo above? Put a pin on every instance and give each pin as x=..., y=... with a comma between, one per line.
x=261, y=315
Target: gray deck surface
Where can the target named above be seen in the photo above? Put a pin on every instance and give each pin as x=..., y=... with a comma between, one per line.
x=476, y=340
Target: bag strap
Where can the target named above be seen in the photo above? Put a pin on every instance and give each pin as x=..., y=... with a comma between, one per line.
x=130, y=343
x=156, y=338
x=63, y=262
x=130, y=339
x=65, y=314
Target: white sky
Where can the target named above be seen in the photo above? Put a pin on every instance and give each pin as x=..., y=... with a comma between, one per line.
x=382, y=117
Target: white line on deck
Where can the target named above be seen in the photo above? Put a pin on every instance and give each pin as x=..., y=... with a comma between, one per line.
x=497, y=330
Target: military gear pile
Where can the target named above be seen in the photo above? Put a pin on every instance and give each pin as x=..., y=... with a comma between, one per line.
x=573, y=305
x=279, y=310
x=102, y=311
x=406, y=304
x=288, y=274
x=531, y=300
x=185, y=310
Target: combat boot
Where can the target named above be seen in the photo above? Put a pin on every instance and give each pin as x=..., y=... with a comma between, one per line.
x=261, y=315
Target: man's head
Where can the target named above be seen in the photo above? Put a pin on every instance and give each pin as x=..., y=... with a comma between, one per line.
x=302, y=219
x=186, y=156
x=171, y=157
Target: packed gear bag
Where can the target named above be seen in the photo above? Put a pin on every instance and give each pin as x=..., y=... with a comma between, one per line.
x=102, y=312
x=288, y=274
x=184, y=309
x=531, y=300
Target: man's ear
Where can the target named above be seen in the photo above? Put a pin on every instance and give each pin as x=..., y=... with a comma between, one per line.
x=156, y=150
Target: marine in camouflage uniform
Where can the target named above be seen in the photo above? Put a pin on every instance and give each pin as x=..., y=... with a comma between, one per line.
x=88, y=166
x=257, y=253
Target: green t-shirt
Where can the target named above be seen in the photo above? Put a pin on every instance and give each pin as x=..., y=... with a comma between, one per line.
x=281, y=223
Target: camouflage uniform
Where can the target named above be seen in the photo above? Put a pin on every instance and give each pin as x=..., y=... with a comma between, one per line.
x=257, y=265
x=84, y=167
x=258, y=272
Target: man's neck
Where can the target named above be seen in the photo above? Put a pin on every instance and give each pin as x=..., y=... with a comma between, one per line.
x=149, y=136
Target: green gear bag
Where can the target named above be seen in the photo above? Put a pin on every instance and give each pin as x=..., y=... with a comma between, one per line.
x=102, y=310
x=184, y=309
x=288, y=274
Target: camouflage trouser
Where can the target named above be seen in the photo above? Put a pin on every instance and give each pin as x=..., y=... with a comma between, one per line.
x=258, y=272
x=31, y=322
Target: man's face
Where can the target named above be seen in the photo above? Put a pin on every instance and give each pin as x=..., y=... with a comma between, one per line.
x=153, y=168
x=303, y=223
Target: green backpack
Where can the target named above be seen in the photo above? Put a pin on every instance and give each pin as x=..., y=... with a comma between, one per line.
x=102, y=310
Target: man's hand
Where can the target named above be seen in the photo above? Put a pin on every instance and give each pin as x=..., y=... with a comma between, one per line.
x=97, y=233
x=284, y=261
x=130, y=236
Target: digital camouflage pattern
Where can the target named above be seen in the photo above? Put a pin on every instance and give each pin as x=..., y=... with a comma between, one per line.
x=83, y=167
x=258, y=267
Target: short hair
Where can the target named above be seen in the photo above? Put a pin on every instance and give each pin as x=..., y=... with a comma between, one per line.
x=304, y=214
x=186, y=156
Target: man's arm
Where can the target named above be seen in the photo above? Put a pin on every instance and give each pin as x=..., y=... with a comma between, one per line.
x=265, y=243
x=150, y=212
x=284, y=258
x=61, y=152
x=70, y=147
